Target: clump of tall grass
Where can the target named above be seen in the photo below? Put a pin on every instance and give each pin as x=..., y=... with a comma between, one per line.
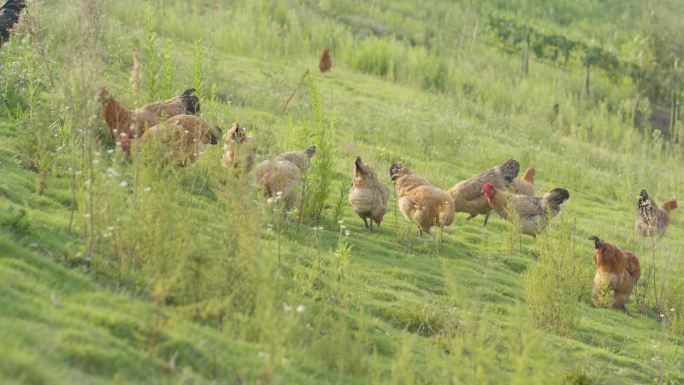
x=320, y=130
x=553, y=284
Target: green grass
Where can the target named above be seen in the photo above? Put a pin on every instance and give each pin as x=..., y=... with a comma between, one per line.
x=221, y=289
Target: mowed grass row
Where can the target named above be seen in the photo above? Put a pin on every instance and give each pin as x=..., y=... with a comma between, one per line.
x=397, y=313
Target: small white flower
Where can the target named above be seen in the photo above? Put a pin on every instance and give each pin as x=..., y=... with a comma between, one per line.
x=147, y=189
x=110, y=151
x=96, y=161
x=124, y=183
x=672, y=309
x=287, y=306
x=343, y=227
x=301, y=308
x=110, y=228
x=186, y=131
x=320, y=227
x=97, y=154
x=340, y=222
x=115, y=131
x=314, y=228
x=279, y=193
x=263, y=354
x=270, y=201
x=86, y=215
x=347, y=233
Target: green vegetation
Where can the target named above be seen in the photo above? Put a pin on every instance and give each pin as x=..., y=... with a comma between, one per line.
x=138, y=271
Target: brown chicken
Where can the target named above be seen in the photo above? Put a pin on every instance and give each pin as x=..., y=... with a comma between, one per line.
x=653, y=220
x=368, y=196
x=239, y=149
x=9, y=17
x=534, y=212
x=281, y=177
x=616, y=270
x=467, y=195
x=524, y=186
x=419, y=201
x=325, y=63
x=135, y=122
x=182, y=138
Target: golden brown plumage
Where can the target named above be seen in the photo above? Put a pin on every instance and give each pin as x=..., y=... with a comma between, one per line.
x=617, y=270
x=368, y=196
x=467, y=195
x=653, y=220
x=534, y=212
x=239, y=149
x=419, y=201
x=134, y=122
x=182, y=137
x=281, y=177
x=525, y=185
x=325, y=63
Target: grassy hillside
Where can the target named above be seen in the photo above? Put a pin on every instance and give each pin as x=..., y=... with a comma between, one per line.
x=137, y=271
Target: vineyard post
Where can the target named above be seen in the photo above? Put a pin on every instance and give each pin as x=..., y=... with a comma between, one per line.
x=465, y=28
x=673, y=106
x=525, y=52
x=585, y=87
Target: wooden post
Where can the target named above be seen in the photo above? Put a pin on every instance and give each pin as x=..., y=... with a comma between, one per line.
x=673, y=106
x=585, y=88
x=525, y=53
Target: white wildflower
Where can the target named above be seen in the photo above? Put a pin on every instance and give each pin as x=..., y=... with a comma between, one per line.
x=347, y=233
x=279, y=193
x=86, y=215
x=301, y=308
x=270, y=200
x=343, y=227
x=287, y=307
x=340, y=222
x=263, y=354
x=110, y=151
x=124, y=183
x=96, y=161
x=672, y=309
x=320, y=227
x=147, y=189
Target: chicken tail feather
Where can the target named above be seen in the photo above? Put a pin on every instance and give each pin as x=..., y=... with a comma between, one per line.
x=597, y=241
x=190, y=101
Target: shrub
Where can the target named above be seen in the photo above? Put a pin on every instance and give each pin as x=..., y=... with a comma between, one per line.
x=553, y=284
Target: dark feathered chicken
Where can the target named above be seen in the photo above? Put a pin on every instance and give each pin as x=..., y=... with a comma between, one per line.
x=653, y=220
x=9, y=16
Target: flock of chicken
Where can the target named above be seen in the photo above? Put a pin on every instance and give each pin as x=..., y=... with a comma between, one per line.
x=175, y=124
